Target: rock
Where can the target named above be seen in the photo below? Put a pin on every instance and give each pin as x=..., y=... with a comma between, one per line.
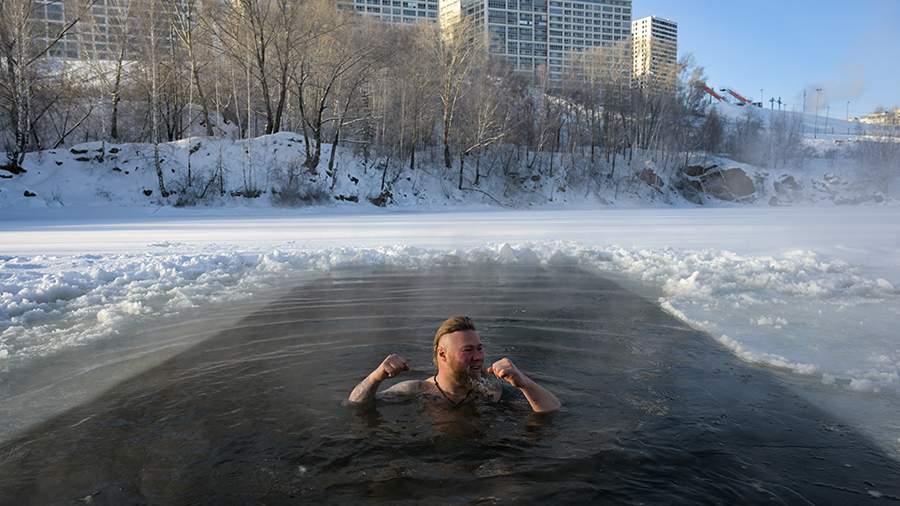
x=148, y=192
x=347, y=198
x=30, y=194
x=13, y=168
x=250, y=194
x=536, y=177
x=786, y=185
x=691, y=191
x=724, y=184
x=649, y=176
x=697, y=170
x=383, y=199
x=787, y=190
x=728, y=184
x=859, y=199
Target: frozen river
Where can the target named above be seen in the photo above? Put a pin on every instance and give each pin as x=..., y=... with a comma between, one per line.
x=808, y=292
x=654, y=411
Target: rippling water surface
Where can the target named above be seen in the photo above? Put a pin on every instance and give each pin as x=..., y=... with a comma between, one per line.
x=654, y=412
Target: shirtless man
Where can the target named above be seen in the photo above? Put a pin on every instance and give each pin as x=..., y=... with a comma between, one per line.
x=459, y=358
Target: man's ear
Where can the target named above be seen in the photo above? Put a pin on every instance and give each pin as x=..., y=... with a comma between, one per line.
x=442, y=353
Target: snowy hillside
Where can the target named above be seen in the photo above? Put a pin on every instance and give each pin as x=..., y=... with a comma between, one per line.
x=269, y=171
x=261, y=172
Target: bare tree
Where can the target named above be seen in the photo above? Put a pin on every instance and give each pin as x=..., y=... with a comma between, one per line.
x=274, y=33
x=455, y=50
x=402, y=93
x=487, y=115
x=323, y=66
x=21, y=49
x=371, y=42
x=110, y=66
x=156, y=23
x=187, y=27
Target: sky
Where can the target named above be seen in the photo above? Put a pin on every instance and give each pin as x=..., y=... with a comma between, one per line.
x=850, y=49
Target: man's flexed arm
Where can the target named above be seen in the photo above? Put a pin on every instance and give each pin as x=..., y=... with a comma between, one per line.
x=540, y=399
x=389, y=367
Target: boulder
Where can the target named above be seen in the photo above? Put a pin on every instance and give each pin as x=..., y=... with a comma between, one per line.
x=725, y=184
x=13, y=168
x=728, y=184
x=697, y=170
x=873, y=198
x=786, y=185
x=787, y=189
x=690, y=190
x=383, y=199
x=649, y=176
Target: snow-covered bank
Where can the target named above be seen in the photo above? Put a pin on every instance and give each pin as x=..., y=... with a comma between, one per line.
x=811, y=290
x=270, y=172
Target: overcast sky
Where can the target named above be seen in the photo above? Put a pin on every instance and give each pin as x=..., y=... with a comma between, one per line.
x=850, y=49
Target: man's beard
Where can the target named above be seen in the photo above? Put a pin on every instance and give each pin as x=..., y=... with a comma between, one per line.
x=468, y=376
x=475, y=380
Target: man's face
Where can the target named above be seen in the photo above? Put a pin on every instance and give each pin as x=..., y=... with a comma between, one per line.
x=462, y=353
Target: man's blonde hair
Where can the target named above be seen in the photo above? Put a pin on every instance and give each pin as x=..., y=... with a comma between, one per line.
x=450, y=325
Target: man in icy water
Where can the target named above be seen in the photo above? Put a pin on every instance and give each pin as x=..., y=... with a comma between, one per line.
x=459, y=357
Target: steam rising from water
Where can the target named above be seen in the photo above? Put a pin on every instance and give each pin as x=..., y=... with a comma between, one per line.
x=836, y=92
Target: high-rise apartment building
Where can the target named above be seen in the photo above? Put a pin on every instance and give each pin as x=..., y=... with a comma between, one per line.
x=540, y=35
x=655, y=52
x=103, y=29
x=579, y=25
x=48, y=18
x=394, y=11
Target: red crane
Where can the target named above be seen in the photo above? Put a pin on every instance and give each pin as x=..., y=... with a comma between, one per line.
x=712, y=93
x=741, y=98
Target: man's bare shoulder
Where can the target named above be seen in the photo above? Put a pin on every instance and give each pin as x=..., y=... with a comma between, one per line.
x=403, y=389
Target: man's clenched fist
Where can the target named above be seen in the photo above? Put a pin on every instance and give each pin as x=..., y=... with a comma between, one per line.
x=391, y=366
x=507, y=371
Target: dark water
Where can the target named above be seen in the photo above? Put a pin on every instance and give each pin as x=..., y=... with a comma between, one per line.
x=654, y=412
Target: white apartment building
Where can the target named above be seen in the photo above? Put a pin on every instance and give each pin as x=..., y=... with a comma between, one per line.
x=540, y=35
x=100, y=32
x=579, y=25
x=887, y=118
x=394, y=11
x=48, y=18
x=655, y=52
